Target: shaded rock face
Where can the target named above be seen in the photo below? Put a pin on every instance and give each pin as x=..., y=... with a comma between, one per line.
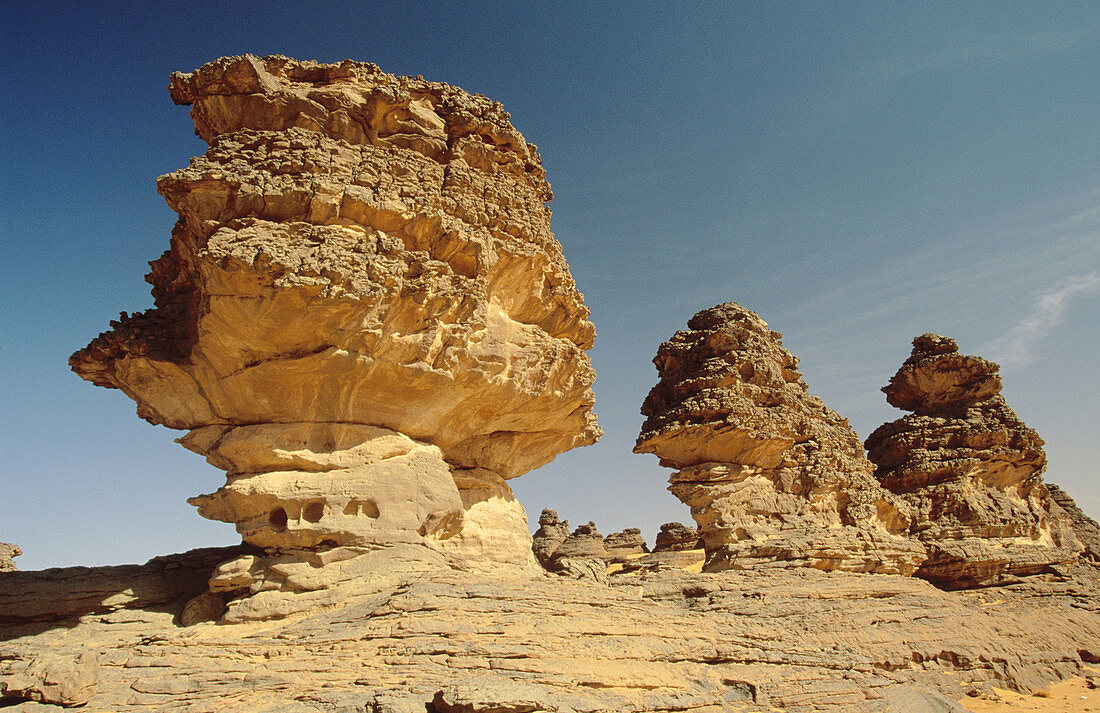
x=551, y=533
x=624, y=545
x=770, y=474
x=969, y=469
x=676, y=536
x=363, y=316
x=7, y=554
x=1085, y=529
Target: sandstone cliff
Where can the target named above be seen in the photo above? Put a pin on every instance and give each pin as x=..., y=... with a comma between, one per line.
x=970, y=470
x=770, y=474
x=363, y=316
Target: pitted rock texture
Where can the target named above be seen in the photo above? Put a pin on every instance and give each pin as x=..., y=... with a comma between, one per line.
x=8, y=552
x=770, y=474
x=970, y=471
x=363, y=315
x=796, y=640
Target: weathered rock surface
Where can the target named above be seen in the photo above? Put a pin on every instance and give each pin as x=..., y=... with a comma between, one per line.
x=621, y=546
x=674, y=536
x=582, y=555
x=970, y=471
x=7, y=554
x=71, y=592
x=363, y=316
x=770, y=474
x=551, y=533
x=798, y=640
x=61, y=679
x=1085, y=529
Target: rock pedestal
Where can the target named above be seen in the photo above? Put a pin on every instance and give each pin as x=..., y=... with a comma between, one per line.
x=770, y=474
x=363, y=315
x=969, y=469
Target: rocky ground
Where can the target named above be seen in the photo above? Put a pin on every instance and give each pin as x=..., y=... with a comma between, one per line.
x=452, y=640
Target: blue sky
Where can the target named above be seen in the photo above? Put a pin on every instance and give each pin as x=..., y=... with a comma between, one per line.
x=856, y=173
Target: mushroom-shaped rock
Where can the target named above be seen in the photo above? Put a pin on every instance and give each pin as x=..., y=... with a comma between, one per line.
x=770, y=474
x=362, y=298
x=969, y=469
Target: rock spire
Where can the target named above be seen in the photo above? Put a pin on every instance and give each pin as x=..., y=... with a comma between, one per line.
x=970, y=470
x=770, y=474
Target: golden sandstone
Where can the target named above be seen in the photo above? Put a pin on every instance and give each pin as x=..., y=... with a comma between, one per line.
x=364, y=319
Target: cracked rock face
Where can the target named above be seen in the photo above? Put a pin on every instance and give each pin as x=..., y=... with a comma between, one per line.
x=970, y=470
x=363, y=315
x=770, y=474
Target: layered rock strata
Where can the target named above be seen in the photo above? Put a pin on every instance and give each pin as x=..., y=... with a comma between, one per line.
x=796, y=640
x=1085, y=529
x=770, y=474
x=969, y=469
x=582, y=555
x=363, y=316
x=676, y=536
x=625, y=545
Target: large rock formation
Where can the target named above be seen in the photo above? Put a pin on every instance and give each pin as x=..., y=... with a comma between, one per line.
x=970, y=470
x=363, y=316
x=770, y=474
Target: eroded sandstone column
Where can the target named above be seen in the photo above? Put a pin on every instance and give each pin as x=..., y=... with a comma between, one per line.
x=363, y=316
x=770, y=474
x=970, y=470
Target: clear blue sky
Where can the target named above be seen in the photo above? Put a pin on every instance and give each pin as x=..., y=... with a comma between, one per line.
x=858, y=174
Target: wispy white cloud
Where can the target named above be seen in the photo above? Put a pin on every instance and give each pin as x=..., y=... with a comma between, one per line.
x=1016, y=345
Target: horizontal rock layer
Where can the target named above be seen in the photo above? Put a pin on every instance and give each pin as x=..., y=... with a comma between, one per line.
x=798, y=640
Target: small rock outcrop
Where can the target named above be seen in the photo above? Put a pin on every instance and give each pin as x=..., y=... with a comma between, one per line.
x=676, y=536
x=1085, y=529
x=969, y=469
x=582, y=555
x=551, y=533
x=770, y=474
x=363, y=317
x=8, y=552
x=622, y=546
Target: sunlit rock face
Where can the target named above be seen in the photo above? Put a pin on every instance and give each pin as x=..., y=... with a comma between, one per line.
x=770, y=474
x=363, y=315
x=970, y=470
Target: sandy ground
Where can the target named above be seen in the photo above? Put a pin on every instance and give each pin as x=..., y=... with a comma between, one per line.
x=1070, y=696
